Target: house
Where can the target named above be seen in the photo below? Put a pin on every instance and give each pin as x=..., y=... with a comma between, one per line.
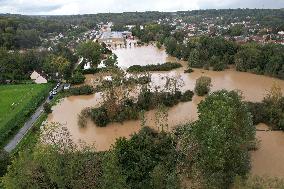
x=37, y=78
x=111, y=38
x=87, y=66
x=66, y=86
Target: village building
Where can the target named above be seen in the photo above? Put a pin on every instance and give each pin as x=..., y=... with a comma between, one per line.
x=112, y=38
x=37, y=78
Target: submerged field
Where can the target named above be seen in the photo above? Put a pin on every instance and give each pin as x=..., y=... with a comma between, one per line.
x=17, y=102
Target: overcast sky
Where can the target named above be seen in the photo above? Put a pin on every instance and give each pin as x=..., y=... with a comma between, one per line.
x=67, y=7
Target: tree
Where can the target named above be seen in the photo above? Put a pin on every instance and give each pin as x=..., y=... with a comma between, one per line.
x=77, y=78
x=202, y=86
x=274, y=108
x=91, y=51
x=216, y=145
x=4, y=162
x=248, y=58
x=194, y=59
x=111, y=61
x=47, y=108
x=27, y=38
x=171, y=45
x=143, y=157
x=56, y=162
x=56, y=64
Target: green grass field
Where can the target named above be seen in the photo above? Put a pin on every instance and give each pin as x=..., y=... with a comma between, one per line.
x=17, y=102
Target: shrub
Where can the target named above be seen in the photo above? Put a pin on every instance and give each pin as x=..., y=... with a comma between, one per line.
x=4, y=162
x=270, y=110
x=100, y=116
x=83, y=116
x=83, y=90
x=127, y=111
x=257, y=110
x=159, y=67
x=202, y=86
x=47, y=108
x=148, y=159
x=187, y=96
x=77, y=78
x=91, y=71
x=144, y=101
x=169, y=99
x=189, y=70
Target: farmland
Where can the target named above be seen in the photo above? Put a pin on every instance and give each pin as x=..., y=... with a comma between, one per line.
x=17, y=103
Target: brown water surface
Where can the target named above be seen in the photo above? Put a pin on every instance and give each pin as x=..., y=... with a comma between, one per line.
x=269, y=159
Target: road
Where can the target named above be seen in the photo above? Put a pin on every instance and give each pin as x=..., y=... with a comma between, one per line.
x=27, y=126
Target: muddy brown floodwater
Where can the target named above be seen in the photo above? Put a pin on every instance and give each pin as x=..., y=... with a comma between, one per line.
x=269, y=159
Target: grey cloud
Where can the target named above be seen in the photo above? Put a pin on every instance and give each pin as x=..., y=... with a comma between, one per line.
x=38, y=8
x=95, y=6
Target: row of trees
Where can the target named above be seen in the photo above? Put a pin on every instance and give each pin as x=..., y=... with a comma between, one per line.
x=218, y=53
x=18, y=66
x=59, y=63
x=211, y=152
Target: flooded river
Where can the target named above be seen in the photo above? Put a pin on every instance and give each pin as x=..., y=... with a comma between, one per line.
x=254, y=87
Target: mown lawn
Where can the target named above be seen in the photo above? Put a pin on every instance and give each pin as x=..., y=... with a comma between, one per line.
x=17, y=102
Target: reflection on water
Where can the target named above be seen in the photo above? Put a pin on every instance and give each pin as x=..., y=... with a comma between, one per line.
x=266, y=160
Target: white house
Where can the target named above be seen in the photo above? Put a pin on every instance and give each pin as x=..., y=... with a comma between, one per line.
x=37, y=78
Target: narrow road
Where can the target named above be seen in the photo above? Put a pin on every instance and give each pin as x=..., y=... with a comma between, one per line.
x=27, y=126
x=24, y=130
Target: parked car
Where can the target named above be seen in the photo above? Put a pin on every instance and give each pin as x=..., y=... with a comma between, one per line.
x=66, y=86
x=54, y=92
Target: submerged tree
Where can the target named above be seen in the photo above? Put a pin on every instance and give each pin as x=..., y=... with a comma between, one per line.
x=202, y=86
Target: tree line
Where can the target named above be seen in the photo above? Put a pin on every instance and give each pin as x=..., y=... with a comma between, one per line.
x=218, y=53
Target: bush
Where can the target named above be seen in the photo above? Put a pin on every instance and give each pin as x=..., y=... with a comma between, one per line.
x=189, y=70
x=83, y=90
x=187, y=96
x=83, y=116
x=270, y=110
x=4, y=162
x=100, y=116
x=129, y=110
x=77, y=78
x=47, y=108
x=202, y=86
x=91, y=71
x=148, y=159
x=159, y=67
x=169, y=99
x=257, y=110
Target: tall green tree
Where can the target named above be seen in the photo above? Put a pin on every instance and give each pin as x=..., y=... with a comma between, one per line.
x=216, y=145
x=90, y=50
